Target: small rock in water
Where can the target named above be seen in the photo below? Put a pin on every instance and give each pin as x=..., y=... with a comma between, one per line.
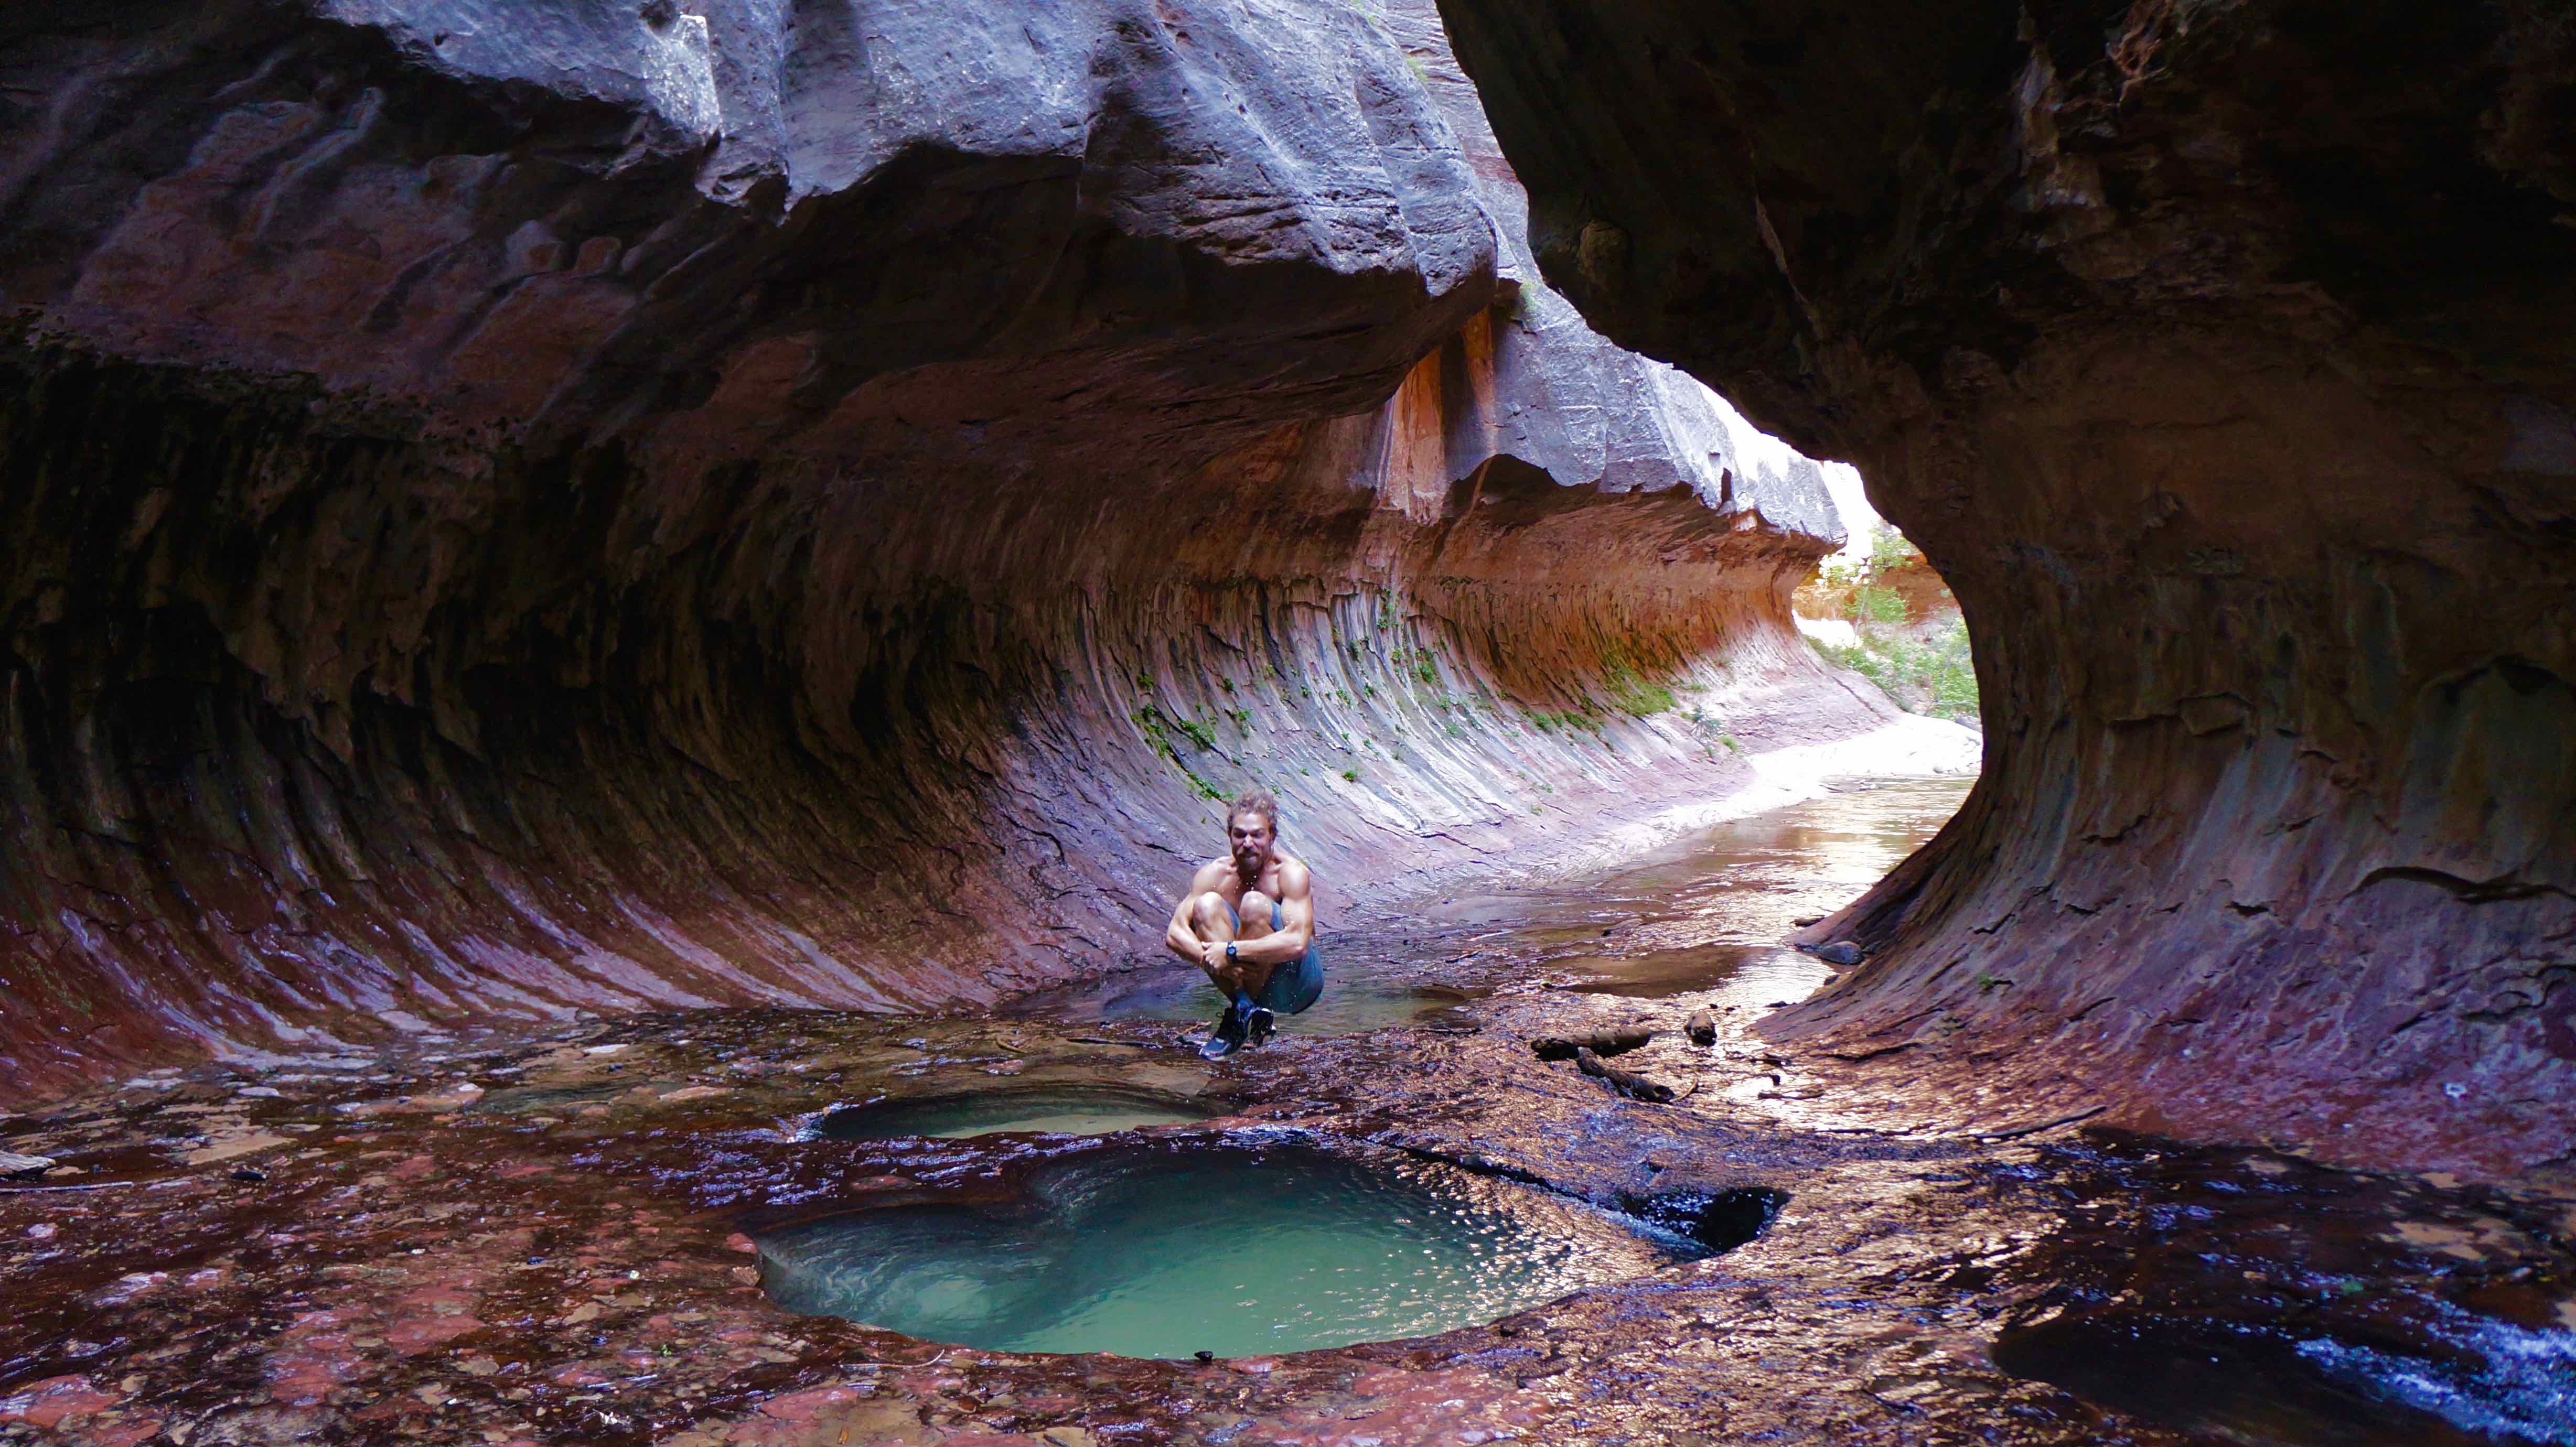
x=1634, y=1087
x=15, y=1165
x=1841, y=952
x=1805, y=920
x=1702, y=1028
x=1600, y=1042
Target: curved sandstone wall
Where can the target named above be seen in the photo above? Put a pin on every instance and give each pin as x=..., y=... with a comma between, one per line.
x=2216, y=353
x=791, y=503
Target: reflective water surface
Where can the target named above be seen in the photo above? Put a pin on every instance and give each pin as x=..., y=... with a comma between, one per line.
x=1741, y=882
x=1062, y=1110
x=1356, y=998
x=2260, y=1299
x=1163, y=1250
x=1708, y=912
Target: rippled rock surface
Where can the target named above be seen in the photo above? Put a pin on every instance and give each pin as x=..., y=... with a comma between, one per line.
x=519, y=511
x=2216, y=354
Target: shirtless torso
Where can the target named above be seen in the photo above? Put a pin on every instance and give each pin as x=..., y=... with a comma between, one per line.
x=1248, y=920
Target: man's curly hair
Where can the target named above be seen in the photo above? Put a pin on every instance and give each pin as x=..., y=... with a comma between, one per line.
x=1254, y=801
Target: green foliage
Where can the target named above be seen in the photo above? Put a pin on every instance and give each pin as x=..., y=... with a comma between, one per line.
x=1887, y=552
x=1569, y=720
x=1877, y=605
x=1158, y=724
x=1936, y=677
x=1631, y=692
x=1352, y=775
x=1151, y=721
x=1890, y=550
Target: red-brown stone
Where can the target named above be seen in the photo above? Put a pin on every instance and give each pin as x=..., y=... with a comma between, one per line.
x=2216, y=354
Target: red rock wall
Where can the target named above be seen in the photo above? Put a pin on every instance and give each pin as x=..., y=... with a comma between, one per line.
x=2217, y=355
x=487, y=542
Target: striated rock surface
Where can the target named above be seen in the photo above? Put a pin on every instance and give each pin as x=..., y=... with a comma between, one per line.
x=513, y=511
x=2217, y=355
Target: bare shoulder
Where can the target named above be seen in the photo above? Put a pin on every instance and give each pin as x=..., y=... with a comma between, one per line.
x=1211, y=874
x=1295, y=879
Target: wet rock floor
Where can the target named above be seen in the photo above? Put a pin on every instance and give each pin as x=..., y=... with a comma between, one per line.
x=549, y=1240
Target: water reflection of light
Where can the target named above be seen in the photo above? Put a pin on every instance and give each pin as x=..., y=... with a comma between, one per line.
x=1744, y=882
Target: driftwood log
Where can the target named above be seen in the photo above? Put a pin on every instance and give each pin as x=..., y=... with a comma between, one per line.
x=1599, y=1042
x=1635, y=1087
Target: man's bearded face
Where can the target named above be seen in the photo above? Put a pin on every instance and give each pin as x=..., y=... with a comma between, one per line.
x=1249, y=835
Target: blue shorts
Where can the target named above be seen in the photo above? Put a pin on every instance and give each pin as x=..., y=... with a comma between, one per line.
x=1294, y=986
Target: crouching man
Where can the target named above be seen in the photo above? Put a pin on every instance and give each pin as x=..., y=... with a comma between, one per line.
x=1248, y=919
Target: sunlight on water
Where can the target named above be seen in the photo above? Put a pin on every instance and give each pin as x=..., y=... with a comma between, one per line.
x=1161, y=1251
x=1745, y=878
x=2502, y=1380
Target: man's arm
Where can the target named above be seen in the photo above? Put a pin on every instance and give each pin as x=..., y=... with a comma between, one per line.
x=1296, y=921
x=1178, y=937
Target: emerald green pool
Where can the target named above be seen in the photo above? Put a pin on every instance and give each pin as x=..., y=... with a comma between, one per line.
x=1166, y=1249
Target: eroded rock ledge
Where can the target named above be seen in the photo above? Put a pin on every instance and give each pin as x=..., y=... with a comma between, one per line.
x=2217, y=355
x=752, y=503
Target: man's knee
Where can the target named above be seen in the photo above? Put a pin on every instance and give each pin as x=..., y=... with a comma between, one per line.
x=1208, y=911
x=1256, y=912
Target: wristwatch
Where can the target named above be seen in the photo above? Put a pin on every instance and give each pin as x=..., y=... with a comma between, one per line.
x=1229, y=952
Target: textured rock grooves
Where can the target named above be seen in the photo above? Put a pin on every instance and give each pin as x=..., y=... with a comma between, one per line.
x=752, y=507
x=2217, y=355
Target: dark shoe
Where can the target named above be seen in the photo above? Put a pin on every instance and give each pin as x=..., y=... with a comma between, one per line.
x=1226, y=1038
x=1257, y=1029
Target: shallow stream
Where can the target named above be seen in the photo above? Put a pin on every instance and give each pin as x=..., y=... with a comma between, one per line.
x=588, y=1235
x=2311, y=1307
x=1171, y=1246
